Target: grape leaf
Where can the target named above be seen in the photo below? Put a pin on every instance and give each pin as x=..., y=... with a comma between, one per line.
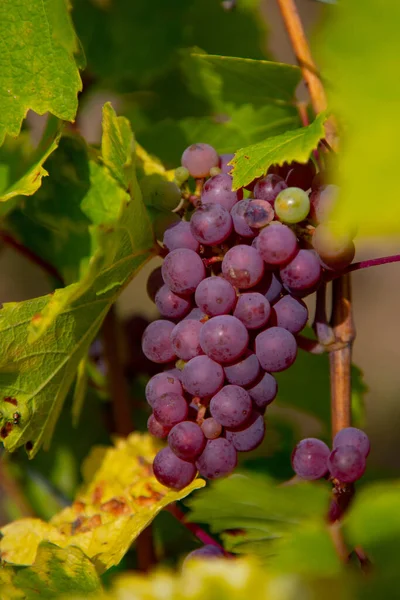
x=119, y=498
x=51, y=81
x=43, y=341
x=253, y=161
x=55, y=571
x=366, y=102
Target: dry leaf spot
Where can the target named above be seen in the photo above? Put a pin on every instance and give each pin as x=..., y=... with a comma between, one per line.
x=97, y=493
x=115, y=506
x=16, y=418
x=6, y=430
x=36, y=318
x=84, y=524
x=29, y=446
x=78, y=506
x=10, y=400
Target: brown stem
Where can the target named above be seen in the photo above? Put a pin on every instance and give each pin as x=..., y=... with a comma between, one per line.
x=11, y=489
x=340, y=360
x=202, y=535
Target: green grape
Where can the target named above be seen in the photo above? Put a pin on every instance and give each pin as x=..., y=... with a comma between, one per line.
x=292, y=205
x=181, y=175
x=160, y=193
x=215, y=171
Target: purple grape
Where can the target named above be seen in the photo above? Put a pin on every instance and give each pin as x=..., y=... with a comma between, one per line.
x=218, y=459
x=277, y=244
x=211, y=224
x=171, y=305
x=215, y=296
x=170, y=409
x=218, y=190
x=290, y=313
x=211, y=428
x=185, y=339
x=197, y=314
x=242, y=266
x=199, y=159
x=253, y=309
x=175, y=373
x=224, y=159
x=208, y=551
x=258, y=213
x=160, y=384
x=224, y=338
x=171, y=471
x=303, y=273
x=274, y=290
x=351, y=436
x=157, y=429
x=244, y=372
x=310, y=459
x=231, y=406
x=269, y=187
x=154, y=282
x=276, y=349
x=183, y=270
x=301, y=175
x=323, y=201
x=179, y=235
x=202, y=376
x=250, y=435
x=156, y=341
x=265, y=391
x=336, y=250
x=186, y=440
x=239, y=222
x=346, y=463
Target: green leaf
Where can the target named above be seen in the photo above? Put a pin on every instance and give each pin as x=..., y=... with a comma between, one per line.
x=253, y=161
x=364, y=93
x=117, y=145
x=43, y=341
x=51, y=81
x=245, y=81
x=119, y=498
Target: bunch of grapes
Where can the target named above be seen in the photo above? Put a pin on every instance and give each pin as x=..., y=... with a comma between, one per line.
x=232, y=282
x=312, y=459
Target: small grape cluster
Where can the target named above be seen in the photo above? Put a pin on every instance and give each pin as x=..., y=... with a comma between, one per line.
x=233, y=277
x=312, y=459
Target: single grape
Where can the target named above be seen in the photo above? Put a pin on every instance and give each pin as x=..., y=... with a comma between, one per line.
x=346, y=463
x=277, y=244
x=351, y=436
x=303, y=273
x=185, y=339
x=154, y=282
x=172, y=471
x=160, y=384
x=323, y=200
x=205, y=552
x=156, y=341
x=250, y=435
x=211, y=224
x=186, y=440
x=177, y=373
x=215, y=296
x=197, y=314
x=231, y=406
x=171, y=305
x=264, y=391
x=301, y=175
x=224, y=338
x=242, y=266
x=202, y=376
x=156, y=428
x=218, y=459
x=290, y=313
x=310, y=459
x=292, y=205
x=239, y=222
x=335, y=248
x=269, y=187
x=270, y=286
x=218, y=190
x=243, y=372
x=181, y=175
x=183, y=270
x=276, y=349
x=224, y=159
x=211, y=428
x=179, y=235
x=199, y=159
x=253, y=309
x=170, y=409
x=159, y=193
x=258, y=213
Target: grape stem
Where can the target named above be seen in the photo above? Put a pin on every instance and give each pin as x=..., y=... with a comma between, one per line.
x=211, y=261
x=322, y=329
x=366, y=264
x=197, y=531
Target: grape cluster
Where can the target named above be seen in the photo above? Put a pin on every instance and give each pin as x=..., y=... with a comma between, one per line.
x=312, y=459
x=236, y=269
